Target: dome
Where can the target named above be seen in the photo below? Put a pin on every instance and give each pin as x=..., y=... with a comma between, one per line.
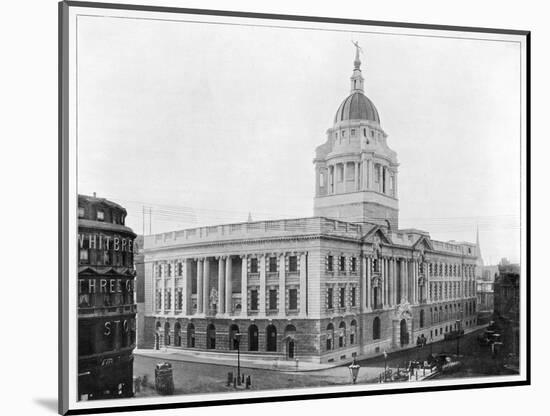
x=357, y=107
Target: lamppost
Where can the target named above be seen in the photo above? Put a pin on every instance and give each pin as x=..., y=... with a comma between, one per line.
x=458, y=322
x=458, y=325
x=354, y=370
x=238, y=342
x=385, y=364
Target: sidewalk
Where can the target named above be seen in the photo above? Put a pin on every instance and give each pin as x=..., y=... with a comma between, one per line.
x=230, y=359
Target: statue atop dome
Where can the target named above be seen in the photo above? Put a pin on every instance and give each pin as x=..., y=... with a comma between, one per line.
x=358, y=50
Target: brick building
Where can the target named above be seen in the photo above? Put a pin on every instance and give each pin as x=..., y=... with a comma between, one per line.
x=344, y=283
x=106, y=307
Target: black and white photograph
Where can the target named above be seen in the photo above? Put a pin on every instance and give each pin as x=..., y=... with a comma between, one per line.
x=262, y=206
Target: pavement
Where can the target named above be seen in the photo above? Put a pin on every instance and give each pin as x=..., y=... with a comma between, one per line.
x=230, y=359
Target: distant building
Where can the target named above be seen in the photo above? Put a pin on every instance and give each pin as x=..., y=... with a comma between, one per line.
x=344, y=283
x=140, y=290
x=507, y=288
x=106, y=308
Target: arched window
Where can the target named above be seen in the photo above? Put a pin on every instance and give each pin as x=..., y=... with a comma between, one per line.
x=353, y=332
x=233, y=342
x=211, y=337
x=190, y=336
x=376, y=328
x=166, y=333
x=330, y=337
x=342, y=335
x=421, y=318
x=271, y=335
x=177, y=334
x=252, y=338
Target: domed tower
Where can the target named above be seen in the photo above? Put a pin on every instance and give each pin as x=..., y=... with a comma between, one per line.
x=355, y=170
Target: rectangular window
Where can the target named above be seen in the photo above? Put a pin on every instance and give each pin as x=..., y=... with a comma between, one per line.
x=179, y=299
x=254, y=265
x=342, y=297
x=321, y=179
x=293, y=264
x=169, y=272
x=100, y=215
x=158, y=300
x=83, y=255
x=352, y=132
x=168, y=299
x=353, y=264
x=254, y=300
x=330, y=260
x=272, y=299
x=180, y=269
x=81, y=212
x=342, y=264
x=329, y=298
x=272, y=264
x=293, y=299
x=353, y=290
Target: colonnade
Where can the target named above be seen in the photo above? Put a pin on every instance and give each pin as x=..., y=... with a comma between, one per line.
x=180, y=275
x=364, y=174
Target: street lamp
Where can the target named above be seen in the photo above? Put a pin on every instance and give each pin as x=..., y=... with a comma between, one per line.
x=458, y=322
x=354, y=370
x=238, y=342
x=385, y=364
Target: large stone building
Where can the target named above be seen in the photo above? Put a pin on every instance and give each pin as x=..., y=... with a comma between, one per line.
x=506, y=297
x=344, y=283
x=106, y=307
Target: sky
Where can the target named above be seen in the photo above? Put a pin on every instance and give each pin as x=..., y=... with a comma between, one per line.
x=202, y=124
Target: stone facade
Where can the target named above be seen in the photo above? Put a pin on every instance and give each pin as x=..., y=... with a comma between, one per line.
x=344, y=283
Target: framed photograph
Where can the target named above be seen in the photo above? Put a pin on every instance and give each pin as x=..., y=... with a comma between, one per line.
x=263, y=207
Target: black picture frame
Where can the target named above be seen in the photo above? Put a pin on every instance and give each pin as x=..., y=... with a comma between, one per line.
x=64, y=195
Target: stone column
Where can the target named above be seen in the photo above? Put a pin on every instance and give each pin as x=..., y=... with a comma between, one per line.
x=221, y=285
x=406, y=280
x=163, y=288
x=368, y=283
x=371, y=173
x=303, y=285
x=244, y=286
x=394, y=282
x=206, y=285
x=186, y=287
x=365, y=174
x=282, y=284
x=200, y=306
x=364, y=277
x=317, y=181
x=173, y=297
x=262, y=294
x=228, y=285
x=427, y=284
x=356, y=187
x=344, y=173
x=384, y=282
x=332, y=180
x=414, y=264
